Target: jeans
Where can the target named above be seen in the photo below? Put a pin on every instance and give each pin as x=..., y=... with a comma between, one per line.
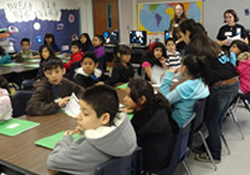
x=218, y=102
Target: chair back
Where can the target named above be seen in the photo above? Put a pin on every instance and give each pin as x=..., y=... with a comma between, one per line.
x=181, y=147
x=19, y=102
x=102, y=63
x=129, y=165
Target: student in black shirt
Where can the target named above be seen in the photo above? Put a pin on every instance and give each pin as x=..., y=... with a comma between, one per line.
x=231, y=29
x=224, y=84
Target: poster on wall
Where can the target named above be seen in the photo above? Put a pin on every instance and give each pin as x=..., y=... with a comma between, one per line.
x=33, y=19
x=155, y=18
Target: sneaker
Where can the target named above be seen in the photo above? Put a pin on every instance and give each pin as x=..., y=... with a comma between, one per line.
x=205, y=158
x=199, y=149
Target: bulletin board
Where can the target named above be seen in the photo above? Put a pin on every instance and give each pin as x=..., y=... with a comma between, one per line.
x=33, y=19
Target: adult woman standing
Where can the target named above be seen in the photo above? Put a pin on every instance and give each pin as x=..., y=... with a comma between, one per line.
x=179, y=17
x=223, y=84
x=231, y=29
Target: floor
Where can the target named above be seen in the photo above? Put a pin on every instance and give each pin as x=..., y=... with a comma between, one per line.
x=238, y=162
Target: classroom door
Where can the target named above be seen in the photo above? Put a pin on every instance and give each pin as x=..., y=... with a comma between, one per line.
x=105, y=16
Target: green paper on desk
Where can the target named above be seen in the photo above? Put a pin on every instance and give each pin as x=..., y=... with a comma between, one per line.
x=60, y=56
x=50, y=141
x=16, y=126
x=12, y=64
x=32, y=65
x=123, y=86
x=130, y=116
x=33, y=60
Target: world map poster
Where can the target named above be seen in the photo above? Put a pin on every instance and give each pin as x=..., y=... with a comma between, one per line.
x=155, y=18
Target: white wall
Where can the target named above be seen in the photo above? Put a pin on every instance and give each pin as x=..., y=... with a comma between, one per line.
x=86, y=16
x=213, y=14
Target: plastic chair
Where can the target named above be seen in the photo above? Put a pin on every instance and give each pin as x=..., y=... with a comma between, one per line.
x=129, y=165
x=199, y=109
x=19, y=102
x=180, y=149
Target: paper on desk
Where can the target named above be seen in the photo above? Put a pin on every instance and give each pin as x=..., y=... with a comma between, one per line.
x=231, y=39
x=73, y=108
x=157, y=74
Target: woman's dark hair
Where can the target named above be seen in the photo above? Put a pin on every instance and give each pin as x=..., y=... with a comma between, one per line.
x=122, y=50
x=232, y=12
x=183, y=15
x=243, y=47
x=2, y=51
x=200, y=43
x=4, y=84
x=88, y=42
x=49, y=35
x=157, y=45
x=140, y=87
x=51, y=52
x=101, y=38
x=197, y=66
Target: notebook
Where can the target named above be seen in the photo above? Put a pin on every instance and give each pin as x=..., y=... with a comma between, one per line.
x=16, y=126
x=123, y=86
x=50, y=141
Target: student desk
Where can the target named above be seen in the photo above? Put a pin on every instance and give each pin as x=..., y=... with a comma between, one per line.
x=21, y=151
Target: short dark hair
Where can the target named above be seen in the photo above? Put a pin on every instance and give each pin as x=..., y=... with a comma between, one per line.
x=49, y=35
x=243, y=47
x=25, y=40
x=101, y=38
x=102, y=98
x=232, y=12
x=169, y=39
x=52, y=64
x=90, y=55
x=76, y=43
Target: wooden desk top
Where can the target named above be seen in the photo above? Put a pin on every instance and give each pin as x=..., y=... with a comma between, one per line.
x=15, y=69
x=21, y=151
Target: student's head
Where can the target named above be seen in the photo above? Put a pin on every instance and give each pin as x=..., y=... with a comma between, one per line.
x=170, y=45
x=85, y=39
x=89, y=62
x=123, y=54
x=98, y=40
x=99, y=105
x=230, y=17
x=158, y=50
x=75, y=47
x=54, y=70
x=140, y=93
x=195, y=67
x=25, y=44
x=4, y=83
x=49, y=39
x=238, y=46
x=179, y=11
x=46, y=52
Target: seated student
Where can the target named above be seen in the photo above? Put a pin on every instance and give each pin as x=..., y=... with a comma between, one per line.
x=99, y=51
x=173, y=59
x=238, y=46
x=26, y=53
x=86, y=43
x=53, y=92
x=123, y=69
x=151, y=124
x=88, y=74
x=155, y=56
x=107, y=133
x=243, y=68
x=5, y=102
x=76, y=54
x=196, y=71
x=49, y=40
x=4, y=56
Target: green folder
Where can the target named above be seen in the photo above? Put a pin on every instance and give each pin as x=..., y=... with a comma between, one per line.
x=16, y=126
x=130, y=116
x=33, y=60
x=64, y=61
x=60, y=56
x=50, y=141
x=123, y=86
x=12, y=64
x=32, y=65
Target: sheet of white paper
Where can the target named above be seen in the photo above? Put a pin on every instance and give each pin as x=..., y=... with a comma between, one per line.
x=157, y=74
x=231, y=39
x=73, y=108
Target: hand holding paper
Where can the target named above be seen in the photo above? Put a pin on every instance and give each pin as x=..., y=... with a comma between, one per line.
x=73, y=108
